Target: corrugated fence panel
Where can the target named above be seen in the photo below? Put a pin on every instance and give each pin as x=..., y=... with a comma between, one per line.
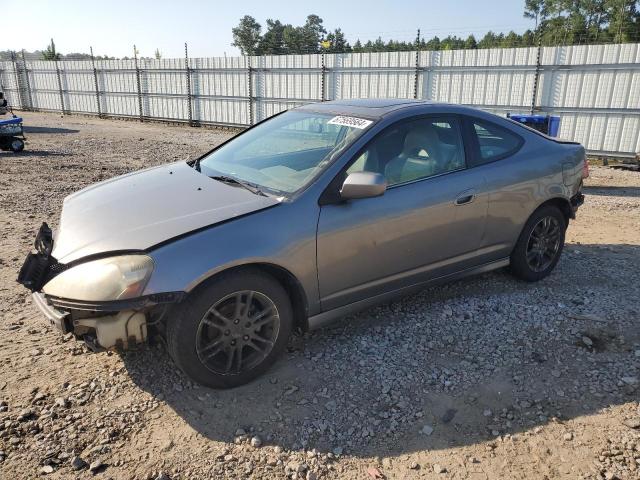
x=8, y=83
x=371, y=75
x=117, y=82
x=43, y=82
x=220, y=91
x=78, y=85
x=285, y=81
x=595, y=89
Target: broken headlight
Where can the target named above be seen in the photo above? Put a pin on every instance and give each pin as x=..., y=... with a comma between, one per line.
x=112, y=278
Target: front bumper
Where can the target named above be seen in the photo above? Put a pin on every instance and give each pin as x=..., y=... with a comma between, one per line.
x=58, y=319
x=119, y=329
x=102, y=324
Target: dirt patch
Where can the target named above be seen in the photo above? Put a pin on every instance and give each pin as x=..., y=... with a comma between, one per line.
x=483, y=378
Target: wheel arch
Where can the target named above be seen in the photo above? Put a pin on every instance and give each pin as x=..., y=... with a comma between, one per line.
x=293, y=287
x=563, y=204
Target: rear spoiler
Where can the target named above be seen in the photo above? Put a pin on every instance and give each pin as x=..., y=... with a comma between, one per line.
x=533, y=130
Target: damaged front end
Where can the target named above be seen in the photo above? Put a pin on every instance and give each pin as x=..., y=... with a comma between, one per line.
x=99, y=300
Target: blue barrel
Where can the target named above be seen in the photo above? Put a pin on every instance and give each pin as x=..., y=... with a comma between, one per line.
x=554, y=126
x=547, y=124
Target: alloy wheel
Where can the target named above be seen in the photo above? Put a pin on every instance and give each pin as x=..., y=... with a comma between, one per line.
x=543, y=244
x=238, y=332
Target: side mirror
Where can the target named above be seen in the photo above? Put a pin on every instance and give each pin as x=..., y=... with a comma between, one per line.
x=363, y=185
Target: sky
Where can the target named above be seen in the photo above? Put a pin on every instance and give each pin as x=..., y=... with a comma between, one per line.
x=113, y=27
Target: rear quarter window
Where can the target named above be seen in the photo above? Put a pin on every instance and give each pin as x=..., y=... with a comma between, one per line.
x=494, y=142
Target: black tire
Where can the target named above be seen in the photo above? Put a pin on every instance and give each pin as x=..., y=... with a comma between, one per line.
x=16, y=145
x=187, y=329
x=525, y=257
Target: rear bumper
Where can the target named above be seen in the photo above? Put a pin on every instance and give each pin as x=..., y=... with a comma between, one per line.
x=576, y=202
x=57, y=318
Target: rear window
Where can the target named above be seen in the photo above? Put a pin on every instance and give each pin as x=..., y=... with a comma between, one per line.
x=495, y=142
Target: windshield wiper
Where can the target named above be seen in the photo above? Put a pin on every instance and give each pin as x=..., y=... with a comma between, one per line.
x=234, y=181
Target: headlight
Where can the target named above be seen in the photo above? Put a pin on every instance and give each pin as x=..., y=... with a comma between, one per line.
x=114, y=278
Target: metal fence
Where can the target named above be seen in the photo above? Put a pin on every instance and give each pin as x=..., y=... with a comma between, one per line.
x=595, y=89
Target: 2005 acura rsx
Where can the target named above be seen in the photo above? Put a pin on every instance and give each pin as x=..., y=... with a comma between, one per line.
x=310, y=215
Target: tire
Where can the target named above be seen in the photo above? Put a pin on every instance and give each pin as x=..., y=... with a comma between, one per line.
x=533, y=259
x=16, y=145
x=199, y=336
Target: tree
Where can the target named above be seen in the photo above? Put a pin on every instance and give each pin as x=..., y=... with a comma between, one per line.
x=624, y=20
x=557, y=22
x=337, y=42
x=378, y=45
x=246, y=36
x=50, y=52
x=433, y=44
x=535, y=9
x=470, y=42
x=158, y=54
x=272, y=42
x=490, y=40
x=312, y=33
x=292, y=40
x=512, y=40
x=528, y=39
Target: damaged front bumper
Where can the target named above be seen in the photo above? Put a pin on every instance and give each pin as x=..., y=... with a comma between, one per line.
x=57, y=318
x=119, y=330
x=119, y=324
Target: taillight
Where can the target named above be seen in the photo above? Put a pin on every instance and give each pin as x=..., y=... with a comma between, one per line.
x=585, y=168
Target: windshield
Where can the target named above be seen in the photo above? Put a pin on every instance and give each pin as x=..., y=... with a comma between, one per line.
x=283, y=155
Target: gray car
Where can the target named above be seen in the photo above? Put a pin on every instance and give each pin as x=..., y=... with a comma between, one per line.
x=304, y=218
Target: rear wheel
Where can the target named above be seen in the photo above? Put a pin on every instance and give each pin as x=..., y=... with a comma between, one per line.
x=540, y=244
x=231, y=330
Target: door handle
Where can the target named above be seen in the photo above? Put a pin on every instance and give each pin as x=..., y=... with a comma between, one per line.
x=465, y=197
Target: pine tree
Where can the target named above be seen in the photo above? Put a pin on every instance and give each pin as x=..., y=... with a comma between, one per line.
x=246, y=36
x=50, y=52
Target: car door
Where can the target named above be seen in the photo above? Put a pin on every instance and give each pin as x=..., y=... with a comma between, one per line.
x=429, y=222
x=511, y=182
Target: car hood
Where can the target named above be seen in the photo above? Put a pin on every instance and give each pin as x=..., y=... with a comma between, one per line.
x=144, y=208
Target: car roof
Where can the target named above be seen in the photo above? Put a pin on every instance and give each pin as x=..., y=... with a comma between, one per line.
x=366, y=107
x=376, y=108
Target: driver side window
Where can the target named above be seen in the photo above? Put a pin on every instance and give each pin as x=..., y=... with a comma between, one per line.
x=414, y=150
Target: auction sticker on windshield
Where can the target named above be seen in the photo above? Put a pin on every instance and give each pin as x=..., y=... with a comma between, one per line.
x=350, y=122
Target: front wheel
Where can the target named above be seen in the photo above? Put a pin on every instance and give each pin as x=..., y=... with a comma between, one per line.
x=16, y=145
x=540, y=244
x=231, y=330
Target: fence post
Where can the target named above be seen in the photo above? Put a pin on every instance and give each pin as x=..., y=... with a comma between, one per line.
x=536, y=77
x=95, y=83
x=60, y=91
x=250, y=88
x=17, y=75
x=26, y=79
x=323, y=95
x=416, y=74
x=186, y=62
x=135, y=59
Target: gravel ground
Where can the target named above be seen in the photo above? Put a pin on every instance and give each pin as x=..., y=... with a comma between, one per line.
x=480, y=379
